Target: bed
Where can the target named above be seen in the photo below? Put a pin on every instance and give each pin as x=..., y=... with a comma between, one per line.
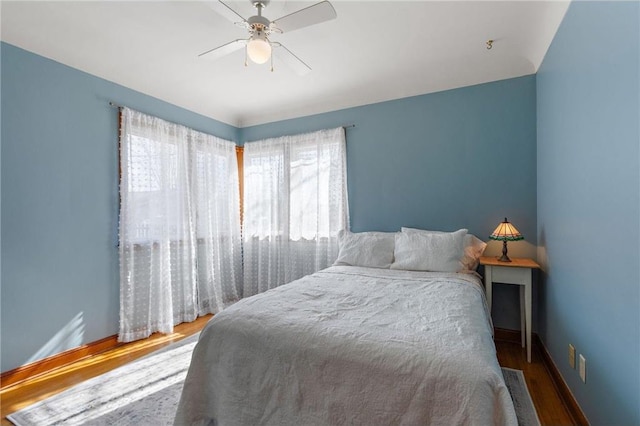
x=351, y=345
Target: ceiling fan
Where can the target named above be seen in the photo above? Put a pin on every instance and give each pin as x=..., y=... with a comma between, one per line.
x=258, y=47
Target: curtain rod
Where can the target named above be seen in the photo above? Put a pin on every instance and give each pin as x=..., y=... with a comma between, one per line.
x=115, y=105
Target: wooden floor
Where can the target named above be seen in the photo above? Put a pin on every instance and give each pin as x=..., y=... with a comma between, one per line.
x=551, y=410
x=13, y=398
x=549, y=406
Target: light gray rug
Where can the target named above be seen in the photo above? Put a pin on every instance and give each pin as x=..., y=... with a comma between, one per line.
x=525, y=411
x=143, y=392
x=146, y=392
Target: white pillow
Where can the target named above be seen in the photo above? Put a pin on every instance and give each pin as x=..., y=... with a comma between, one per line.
x=473, y=248
x=370, y=249
x=437, y=252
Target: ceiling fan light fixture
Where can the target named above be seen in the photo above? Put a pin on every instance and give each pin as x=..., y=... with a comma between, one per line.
x=259, y=48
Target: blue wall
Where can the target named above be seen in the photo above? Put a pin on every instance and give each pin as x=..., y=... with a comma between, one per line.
x=447, y=160
x=589, y=205
x=60, y=284
x=459, y=158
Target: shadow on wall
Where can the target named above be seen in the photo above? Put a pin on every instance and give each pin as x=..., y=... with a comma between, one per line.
x=521, y=248
x=69, y=337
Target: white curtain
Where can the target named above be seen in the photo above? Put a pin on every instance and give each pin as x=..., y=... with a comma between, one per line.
x=295, y=203
x=180, y=243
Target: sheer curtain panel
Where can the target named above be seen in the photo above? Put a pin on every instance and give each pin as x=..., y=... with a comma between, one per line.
x=295, y=202
x=180, y=243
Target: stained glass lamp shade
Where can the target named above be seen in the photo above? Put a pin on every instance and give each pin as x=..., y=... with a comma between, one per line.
x=506, y=232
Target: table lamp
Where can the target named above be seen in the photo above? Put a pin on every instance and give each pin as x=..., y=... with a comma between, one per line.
x=506, y=232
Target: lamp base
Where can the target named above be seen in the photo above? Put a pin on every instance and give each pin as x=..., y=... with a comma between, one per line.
x=504, y=257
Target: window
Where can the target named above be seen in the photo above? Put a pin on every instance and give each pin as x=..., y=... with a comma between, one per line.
x=180, y=246
x=294, y=206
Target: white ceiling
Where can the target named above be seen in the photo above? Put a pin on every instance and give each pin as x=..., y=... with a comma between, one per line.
x=374, y=51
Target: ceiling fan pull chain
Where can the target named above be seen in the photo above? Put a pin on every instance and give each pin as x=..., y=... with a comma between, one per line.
x=246, y=55
x=271, y=62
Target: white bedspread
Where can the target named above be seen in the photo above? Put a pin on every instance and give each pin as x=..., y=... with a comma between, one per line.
x=351, y=345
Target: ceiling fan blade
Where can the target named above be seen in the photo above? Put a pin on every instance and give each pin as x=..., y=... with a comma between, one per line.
x=225, y=49
x=225, y=11
x=314, y=14
x=291, y=60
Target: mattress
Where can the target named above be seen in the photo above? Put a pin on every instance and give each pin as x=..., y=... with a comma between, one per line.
x=351, y=345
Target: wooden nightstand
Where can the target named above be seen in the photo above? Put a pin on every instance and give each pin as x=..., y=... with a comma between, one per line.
x=516, y=272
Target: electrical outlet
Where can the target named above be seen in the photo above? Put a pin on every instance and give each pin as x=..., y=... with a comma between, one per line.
x=583, y=369
x=572, y=356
